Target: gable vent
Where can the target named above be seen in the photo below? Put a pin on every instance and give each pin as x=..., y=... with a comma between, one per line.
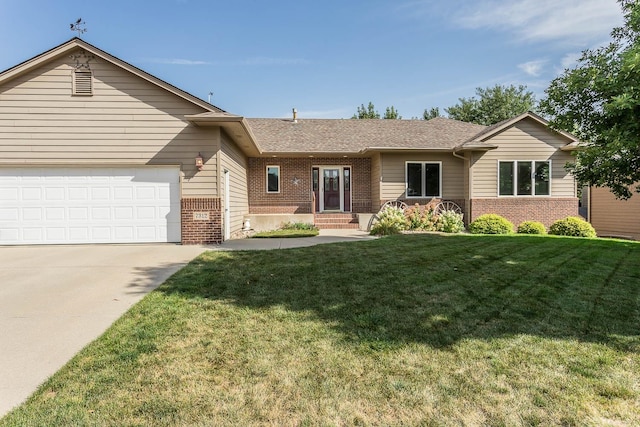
x=82, y=83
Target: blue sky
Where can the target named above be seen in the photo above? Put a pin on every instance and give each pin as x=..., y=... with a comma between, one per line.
x=261, y=58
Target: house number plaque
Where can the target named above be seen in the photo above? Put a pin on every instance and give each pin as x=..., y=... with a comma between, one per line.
x=201, y=216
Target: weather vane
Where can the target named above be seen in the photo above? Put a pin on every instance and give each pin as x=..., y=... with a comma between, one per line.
x=79, y=27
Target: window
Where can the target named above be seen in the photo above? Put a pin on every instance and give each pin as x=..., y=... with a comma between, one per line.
x=82, y=83
x=524, y=178
x=273, y=179
x=423, y=179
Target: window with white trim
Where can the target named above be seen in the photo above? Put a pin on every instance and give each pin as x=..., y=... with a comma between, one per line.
x=524, y=178
x=423, y=179
x=82, y=82
x=273, y=179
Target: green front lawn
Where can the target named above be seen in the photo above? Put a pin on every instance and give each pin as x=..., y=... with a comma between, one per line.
x=403, y=330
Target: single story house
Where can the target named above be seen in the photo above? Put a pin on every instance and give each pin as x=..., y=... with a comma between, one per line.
x=613, y=217
x=95, y=150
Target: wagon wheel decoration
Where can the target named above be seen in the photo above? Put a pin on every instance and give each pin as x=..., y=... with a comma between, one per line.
x=394, y=203
x=447, y=206
x=391, y=203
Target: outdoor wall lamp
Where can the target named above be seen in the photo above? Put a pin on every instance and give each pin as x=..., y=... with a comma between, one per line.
x=199, y=162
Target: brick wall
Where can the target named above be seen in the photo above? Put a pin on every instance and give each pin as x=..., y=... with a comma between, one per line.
x=517, y=209
x=197, y=231
x=295, y=196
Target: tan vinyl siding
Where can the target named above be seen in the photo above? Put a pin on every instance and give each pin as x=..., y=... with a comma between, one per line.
x=393, y=174
x=127, y=121
x=233, y=160
x=526, y=140
x=376, y=172
x=613, y=217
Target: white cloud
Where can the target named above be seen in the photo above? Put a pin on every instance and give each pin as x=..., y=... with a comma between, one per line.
x=533, y=68
x=569, y=21
x=263, y=60
x=569, y=60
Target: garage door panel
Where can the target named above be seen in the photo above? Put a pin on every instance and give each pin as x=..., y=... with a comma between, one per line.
x=79, y=214
x=80, y=205
x=9, y=214
x=32, y=214
x=78, y=193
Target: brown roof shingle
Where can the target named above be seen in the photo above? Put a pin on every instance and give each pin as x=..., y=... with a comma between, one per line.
x=353, y=136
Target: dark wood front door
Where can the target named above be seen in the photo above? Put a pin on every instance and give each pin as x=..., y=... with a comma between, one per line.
x=331, y=189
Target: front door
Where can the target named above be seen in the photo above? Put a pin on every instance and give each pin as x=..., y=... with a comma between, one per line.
x=331, y=187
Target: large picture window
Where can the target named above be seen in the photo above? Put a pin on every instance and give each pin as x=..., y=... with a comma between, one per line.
x=273, y=179
x=423, y=179
x=524, y=178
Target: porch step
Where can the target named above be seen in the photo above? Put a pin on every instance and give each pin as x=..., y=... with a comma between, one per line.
x=336, y=221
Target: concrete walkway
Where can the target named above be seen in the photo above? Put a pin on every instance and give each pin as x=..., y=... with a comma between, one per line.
x=54, y=300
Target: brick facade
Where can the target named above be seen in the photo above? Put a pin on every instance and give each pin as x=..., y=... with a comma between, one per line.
x=295, y=196
x=202, y=230
x=518, y=209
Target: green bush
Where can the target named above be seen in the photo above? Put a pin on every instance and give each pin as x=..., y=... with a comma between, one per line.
x=450, y=222
x=532, y=227
x=297, y=226
x=572, y=226
x=491, y=224
x=390, y=221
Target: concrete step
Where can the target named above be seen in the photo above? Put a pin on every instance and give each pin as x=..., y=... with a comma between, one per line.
x=337, y=226
x=336, y=221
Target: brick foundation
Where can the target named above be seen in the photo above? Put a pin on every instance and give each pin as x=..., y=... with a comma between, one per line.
x=547, y=210
x=201, y=231
x=295, y=196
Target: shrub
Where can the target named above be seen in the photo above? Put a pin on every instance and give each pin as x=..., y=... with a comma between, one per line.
x=491, y=224
x=297, y=226
x=532, y=227
x=572, y=226
x=421, y=218
x=450, y=222
x=390, y=221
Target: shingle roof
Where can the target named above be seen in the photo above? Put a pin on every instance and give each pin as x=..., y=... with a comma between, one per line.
x=353, y=136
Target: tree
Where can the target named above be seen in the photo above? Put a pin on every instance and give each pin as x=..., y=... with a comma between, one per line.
x=493, y=105
x=368, y=112
x=391, y=113
x=599, y=101
x=431, y=114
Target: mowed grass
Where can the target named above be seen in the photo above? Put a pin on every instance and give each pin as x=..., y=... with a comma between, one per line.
x=404, y=330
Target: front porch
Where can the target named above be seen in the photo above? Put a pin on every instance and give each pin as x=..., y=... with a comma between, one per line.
x=309, y=185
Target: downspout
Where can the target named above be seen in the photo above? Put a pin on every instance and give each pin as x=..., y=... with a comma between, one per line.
x=468, y=198
x=589, y=205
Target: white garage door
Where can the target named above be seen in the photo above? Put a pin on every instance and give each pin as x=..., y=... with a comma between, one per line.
x=89, y=205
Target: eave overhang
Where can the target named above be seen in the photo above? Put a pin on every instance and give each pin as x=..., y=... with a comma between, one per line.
x=235, y=126
x=480, y=146
x=574, y=146
x=404, y=150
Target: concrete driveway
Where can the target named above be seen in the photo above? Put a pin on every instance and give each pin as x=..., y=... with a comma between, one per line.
x=54, y=300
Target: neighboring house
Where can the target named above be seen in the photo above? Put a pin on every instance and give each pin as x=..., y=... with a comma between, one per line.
x=94, y=150
x=612, y=217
